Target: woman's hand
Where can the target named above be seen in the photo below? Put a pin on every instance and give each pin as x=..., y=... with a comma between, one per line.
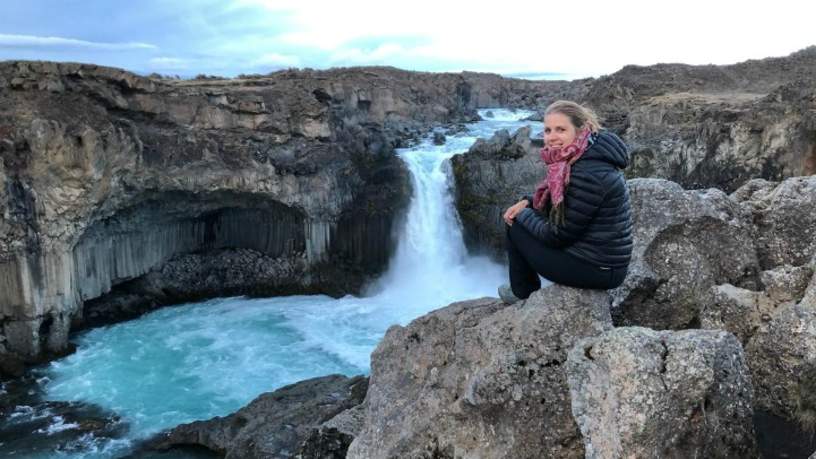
x=511, y=213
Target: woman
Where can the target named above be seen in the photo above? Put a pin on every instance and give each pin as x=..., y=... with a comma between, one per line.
x=577, y=228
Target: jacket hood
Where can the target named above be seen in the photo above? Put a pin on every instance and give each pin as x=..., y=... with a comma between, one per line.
x=608, y=147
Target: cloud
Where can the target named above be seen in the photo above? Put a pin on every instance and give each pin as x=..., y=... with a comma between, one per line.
x=596, y=38
x=37, y=42
x=248, y=36
x=356, y=56
x=168, y=63
x=276, y=60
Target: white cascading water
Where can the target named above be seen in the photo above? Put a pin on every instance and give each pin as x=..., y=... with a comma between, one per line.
x=200, y=360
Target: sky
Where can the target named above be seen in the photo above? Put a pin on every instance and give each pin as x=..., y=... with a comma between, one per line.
x=541, y=39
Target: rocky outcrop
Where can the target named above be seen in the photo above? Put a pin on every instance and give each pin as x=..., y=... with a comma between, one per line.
x=742, y=311
x=480, y=379
x=724, y=138
x=714, y=126
x=782, y=358
x=294, y=421
x=685, y=242
x=737, y=310
x=640, y=393
x=493, y=175
x=784, y=215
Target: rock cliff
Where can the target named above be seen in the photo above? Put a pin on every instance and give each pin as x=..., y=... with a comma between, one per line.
x=119, y=193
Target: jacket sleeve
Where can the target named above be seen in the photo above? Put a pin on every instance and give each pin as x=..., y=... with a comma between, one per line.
x=583, y=199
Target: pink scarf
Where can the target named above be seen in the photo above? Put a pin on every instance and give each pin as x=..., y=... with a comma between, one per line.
x=558, y=161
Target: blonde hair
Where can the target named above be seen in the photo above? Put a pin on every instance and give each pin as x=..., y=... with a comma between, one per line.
x=579, y=115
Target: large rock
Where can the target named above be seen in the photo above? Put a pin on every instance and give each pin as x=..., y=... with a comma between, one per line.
x=685, y=242
x=809, y=296
x=736, y=310
x=280, y=424
x=785, y=218
x=480, y=379
x=642, y=393
x=782, y=358
x=742, y=311
x=493, y=175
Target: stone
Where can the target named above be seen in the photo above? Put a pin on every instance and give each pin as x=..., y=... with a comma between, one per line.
x=785, y=218
x=276, y=424
x=780, y=353
x=809, y=297
x=637, y=392
x=333, y=438
x=736, y=310
x=493, y=175
x=480, y=379
x=685, y=242
x=786, y=283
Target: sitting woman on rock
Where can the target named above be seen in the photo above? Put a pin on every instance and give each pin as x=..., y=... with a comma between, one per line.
x=577, y=228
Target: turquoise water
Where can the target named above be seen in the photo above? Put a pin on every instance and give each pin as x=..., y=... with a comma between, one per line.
x=200, y=360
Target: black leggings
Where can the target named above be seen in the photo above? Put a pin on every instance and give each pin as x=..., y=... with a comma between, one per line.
x=529, y=257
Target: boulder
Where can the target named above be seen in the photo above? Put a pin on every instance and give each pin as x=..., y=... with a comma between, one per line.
x=809, y=298
x=637, y=392
x=480, y=379
x=736, y=310
x=784, y=215
x=331, y=439
x=493, y=175
x=786, y=283
x=282, y=423
x=782, y=359
x=685, y=242
x=742, y=312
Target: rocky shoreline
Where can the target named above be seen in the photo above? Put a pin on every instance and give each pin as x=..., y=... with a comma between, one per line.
x=120, y=194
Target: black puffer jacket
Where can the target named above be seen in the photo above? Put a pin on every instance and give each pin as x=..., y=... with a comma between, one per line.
x=597, y=220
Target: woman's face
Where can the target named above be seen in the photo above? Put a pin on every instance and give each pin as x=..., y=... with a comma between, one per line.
x=558, y=130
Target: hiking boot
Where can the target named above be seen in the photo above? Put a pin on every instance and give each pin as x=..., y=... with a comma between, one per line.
x=507, y=295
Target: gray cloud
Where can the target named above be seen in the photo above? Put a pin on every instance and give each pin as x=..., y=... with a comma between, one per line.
x=33, y=41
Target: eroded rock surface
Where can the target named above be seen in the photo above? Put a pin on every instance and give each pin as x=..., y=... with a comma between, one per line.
x=685, y=242
x=784, y=215
x=742, y=311
x=782, y=358
x=289, y=422
x=493, y=175
x=480, y=379
x=637, y=392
